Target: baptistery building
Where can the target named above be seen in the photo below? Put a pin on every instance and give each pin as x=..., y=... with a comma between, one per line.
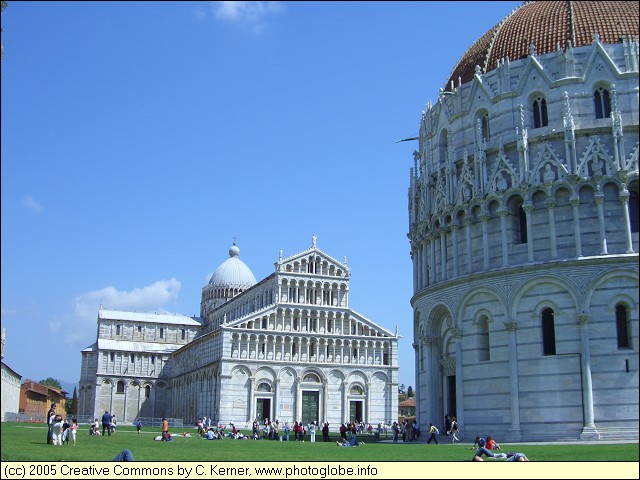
x=285, y=348
x=523, y=226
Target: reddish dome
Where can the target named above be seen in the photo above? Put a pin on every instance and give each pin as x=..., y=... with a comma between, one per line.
x=547, y=25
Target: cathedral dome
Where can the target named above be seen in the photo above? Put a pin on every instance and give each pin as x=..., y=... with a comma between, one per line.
x=547, y=25
x=233, y=273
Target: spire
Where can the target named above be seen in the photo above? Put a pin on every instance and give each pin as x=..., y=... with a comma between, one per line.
x=313, y=241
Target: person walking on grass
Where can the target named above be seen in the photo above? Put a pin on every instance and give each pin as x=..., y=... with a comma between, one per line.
x=433, y=431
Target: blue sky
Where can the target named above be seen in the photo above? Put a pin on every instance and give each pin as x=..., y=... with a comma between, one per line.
x=140, y=138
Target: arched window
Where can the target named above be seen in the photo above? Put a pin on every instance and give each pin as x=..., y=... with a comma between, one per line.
x=444, y=146
x=147, y=391
x=120, y=387
x=540, y=118
x=356, y=390
x=622, y=327
x=311, y=377
x=548, y=332
x=264, y=387
x=633, y=210
x=484, y=125
x=484, y=352
x=522, y=226
x=602, y=103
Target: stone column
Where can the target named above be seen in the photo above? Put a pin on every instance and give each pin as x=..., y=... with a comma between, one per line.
x=467, y=226
x=528, y=210
x=297, y=407
x=551, y=205
x=416, y=390
x=485, y=241
x=276, y=398
x=432, y=262
x=424, y=264
x=345, y=402
x=503, y=212
x=416, y=266
x=515, y=432
x=624, y=200
x=589, y=431
x=124, y=408
x=443, y=252
x=457, y=334
x=325, y=398
x=599, y=199
x=367, y=414
x=575, y=203
x=252, y=408
x=454, y=243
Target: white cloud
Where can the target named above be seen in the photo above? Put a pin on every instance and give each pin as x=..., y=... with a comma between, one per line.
x=248, y=14
x=54, y=326
x=29, y=203
x=151, y=297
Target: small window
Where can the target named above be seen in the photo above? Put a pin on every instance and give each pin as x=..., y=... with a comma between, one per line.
x=117, y=329
x=311, y=377
x=139, y=329
x=622, y=327
x=385, y=358
x=602, y=103
x=264, y=387
x=295, y=323
x=113, y=356
x=183, y=334
x=153, y=360
x=330, y=326
x=633, y=211
x=120, y=387
x=484, y=120
x=264, y=323
x=262, y=348
x=540, y=118
x=294, y=348
x=133, y=358
x=355, y=353
x=548, y=332
x=522, y=226
x=312, y=349
x=147, y=391
x=161, y=332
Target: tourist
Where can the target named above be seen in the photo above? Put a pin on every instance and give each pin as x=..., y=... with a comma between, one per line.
x=352, y=442
x=106, y=423
x=286, y=430
x=516, y=457
x=433, y=430
x=56, y=430
x=65, y=431
x=113, y=423
x=124, y=456
x=453, y=430
x=312, y=431
x=491, y=444
x=165, y=428
x=325, y=432
x=139, y=425
x=74, y=429
x=50, y=415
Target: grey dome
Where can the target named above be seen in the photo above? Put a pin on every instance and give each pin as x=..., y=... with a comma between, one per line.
x=233, y=273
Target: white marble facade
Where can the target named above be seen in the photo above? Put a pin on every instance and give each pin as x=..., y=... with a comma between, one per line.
x=524, y=242
x=287, y=348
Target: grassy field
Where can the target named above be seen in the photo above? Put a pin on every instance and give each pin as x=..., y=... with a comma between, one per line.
x=26, y=442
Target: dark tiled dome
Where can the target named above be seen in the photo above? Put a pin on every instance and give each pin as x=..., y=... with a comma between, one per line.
x=547, y=25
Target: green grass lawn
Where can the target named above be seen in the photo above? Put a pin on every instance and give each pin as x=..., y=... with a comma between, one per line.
x=26, y=442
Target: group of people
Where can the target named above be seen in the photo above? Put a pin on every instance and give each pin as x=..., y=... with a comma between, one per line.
x=59, y=430
x=488, y=447
x=409, y=431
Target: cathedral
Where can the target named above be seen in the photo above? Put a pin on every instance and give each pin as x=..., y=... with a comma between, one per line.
x=286, y=348
x=523, y=207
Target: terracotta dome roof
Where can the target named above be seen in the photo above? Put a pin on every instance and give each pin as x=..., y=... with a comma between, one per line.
x=547, y=25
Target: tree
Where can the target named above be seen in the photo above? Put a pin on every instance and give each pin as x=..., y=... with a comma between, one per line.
x=72, y=406
x=52, y=382
x=410, y=392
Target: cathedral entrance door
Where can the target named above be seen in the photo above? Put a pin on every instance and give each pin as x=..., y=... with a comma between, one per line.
x=310, y=407
x=263, y=409
x=355, y=411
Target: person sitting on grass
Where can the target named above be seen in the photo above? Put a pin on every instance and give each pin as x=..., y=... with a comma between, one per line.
x=485, y=451
x=516, y=457
x=352, y=442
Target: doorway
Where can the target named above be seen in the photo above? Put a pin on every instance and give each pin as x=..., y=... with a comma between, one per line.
x=263, y=409
x=310, y=407
x=355, y=411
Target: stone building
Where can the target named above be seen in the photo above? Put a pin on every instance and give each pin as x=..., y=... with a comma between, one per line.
x=10, y=391
x=523, y=205
x=287, y=347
